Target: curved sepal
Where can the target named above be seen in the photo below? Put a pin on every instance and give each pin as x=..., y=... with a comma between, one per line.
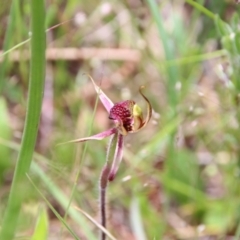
x=149, y=111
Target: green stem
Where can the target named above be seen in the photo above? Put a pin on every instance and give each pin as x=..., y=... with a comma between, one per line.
x=36, y=87
x=197, y=58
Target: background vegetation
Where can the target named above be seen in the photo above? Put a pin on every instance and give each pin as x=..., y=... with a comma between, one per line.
x=180, y=175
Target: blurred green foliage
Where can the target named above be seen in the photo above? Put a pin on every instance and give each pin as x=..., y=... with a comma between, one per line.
x=5, y=153
x=180, y=176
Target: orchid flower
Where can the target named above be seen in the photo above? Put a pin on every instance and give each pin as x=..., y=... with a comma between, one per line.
x=127, y=117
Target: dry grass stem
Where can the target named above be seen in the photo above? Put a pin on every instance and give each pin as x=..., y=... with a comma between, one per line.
x=72, y=54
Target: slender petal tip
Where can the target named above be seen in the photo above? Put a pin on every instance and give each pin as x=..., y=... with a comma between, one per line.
x=98, y=136
x=107, y=103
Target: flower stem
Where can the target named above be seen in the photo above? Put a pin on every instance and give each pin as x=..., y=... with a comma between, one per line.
x=103, y=190
x=104, y=182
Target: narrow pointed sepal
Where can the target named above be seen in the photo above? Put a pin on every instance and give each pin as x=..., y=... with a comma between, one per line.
x=107, y=103
x=117, y=158
x=98, y=136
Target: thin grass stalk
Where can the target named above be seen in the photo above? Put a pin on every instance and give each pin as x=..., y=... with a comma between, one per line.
x=172, y=71
x=173, y=78
x=81, y=160
x=52, y=208
x=6, y=43
x=201, y=8
x=52, y=188
x=36, y=87
x=62, y=198
x=73, y=190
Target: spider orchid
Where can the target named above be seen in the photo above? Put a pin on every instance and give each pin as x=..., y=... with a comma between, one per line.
x=127, y=117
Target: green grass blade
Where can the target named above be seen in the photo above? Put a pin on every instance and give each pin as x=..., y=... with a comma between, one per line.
x=53, y=210
x=136, y=219
x=196, y=58
x=55, y=191
x=6, y=43
x=169, y=52
x=63, y=200
x=36, y=88
x=5, y=133
x=15, y=47
x=41, y=229
x=237, y=235
x=201, y=8
x=73, y=190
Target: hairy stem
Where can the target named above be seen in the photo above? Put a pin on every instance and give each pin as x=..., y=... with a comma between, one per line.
x=104, y=182
x=103, y=190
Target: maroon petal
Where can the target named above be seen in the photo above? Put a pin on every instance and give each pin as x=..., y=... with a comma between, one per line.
x=117, y=158
x=98, y=136
x=121, y=113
